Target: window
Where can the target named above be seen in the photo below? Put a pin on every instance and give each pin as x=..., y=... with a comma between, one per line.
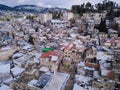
x=73, y=51
x=68, y=53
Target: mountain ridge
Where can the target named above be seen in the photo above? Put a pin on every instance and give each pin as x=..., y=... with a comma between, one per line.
x=31, y=8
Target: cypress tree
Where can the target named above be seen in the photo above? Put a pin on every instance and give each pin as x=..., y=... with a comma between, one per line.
x=102, y=26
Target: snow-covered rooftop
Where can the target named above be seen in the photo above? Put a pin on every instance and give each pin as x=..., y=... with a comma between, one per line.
x=5, y=87
x=78, y=87
x=44, y=69
x=82, y=78
x=57, y=82
x=5, y=68
x=17, y=70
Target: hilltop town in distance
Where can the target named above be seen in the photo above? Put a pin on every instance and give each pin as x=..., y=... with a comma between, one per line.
x=60, y=49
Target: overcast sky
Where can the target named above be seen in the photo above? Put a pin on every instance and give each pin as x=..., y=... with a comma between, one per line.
x=50, y=3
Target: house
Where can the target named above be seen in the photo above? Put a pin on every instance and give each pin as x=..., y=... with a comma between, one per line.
x=49, y=81
x=112, y=33
x=51, y=59
x=83, y=82
x=6, y=53
x=108, y=74
x=91, y=62
x=104, y=84
x=80, y=68
x=91, y=53
x=90, y=25
x=116, y=63
x=5, y=71
x=43, y=80
x=74, y=50
x=58, y=23
x=5, y=75
x=43, y=18
x=86, y=70
x=30, y=74
x=5, y=87
x=102, y=35
x=97, y=18
x=82, y=24
x=58, y=81
x=17, y=71
x=24, y=60
x=117, y=20
x=32, y=84
x=112, y=43
x=78, y=87
x=92, y=65
x=44, y=69
x=69, y=51
x=67, y=16
x=89, y=71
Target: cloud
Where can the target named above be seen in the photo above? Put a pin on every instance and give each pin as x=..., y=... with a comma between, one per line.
x=43, y=5
x=50, y=3
x=21, y=1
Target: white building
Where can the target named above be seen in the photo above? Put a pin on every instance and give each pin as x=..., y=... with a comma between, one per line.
x=45, y=17
x=58, y=23
x=58, y=82
x=117, y=20
x=67, y=16
x=91, y=25
x=97, y=18
x=5, y=87
x=17, y=71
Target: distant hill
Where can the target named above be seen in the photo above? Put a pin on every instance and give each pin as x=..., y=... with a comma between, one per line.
x=4, y=7
x=31, y=8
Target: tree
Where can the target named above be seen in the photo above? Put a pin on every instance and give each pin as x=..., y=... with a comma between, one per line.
x=83, y=8
x=8, y=19
x=115, y=26
x=31, y=40
x=88, y=6
x=102, y=26
x=106, y=5
x=72, y=22
x=56, y=15
x=31, y=18
x=76, y=9
x=117, y=14
x=36, y=29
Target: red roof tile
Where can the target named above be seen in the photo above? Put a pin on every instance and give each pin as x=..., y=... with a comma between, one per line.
x=96, y=66
x=47, y=54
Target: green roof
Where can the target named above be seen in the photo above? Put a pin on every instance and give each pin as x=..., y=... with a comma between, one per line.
x=46, y=49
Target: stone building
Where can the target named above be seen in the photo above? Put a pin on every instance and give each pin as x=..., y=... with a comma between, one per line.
x=51, y=59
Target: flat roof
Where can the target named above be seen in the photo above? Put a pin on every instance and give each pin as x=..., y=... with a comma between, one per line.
x=78, y=87
x=57, y=21
x=44, y=69
x=43, y=80
x=5, y=87
x=5, y=68
x=57, y=82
